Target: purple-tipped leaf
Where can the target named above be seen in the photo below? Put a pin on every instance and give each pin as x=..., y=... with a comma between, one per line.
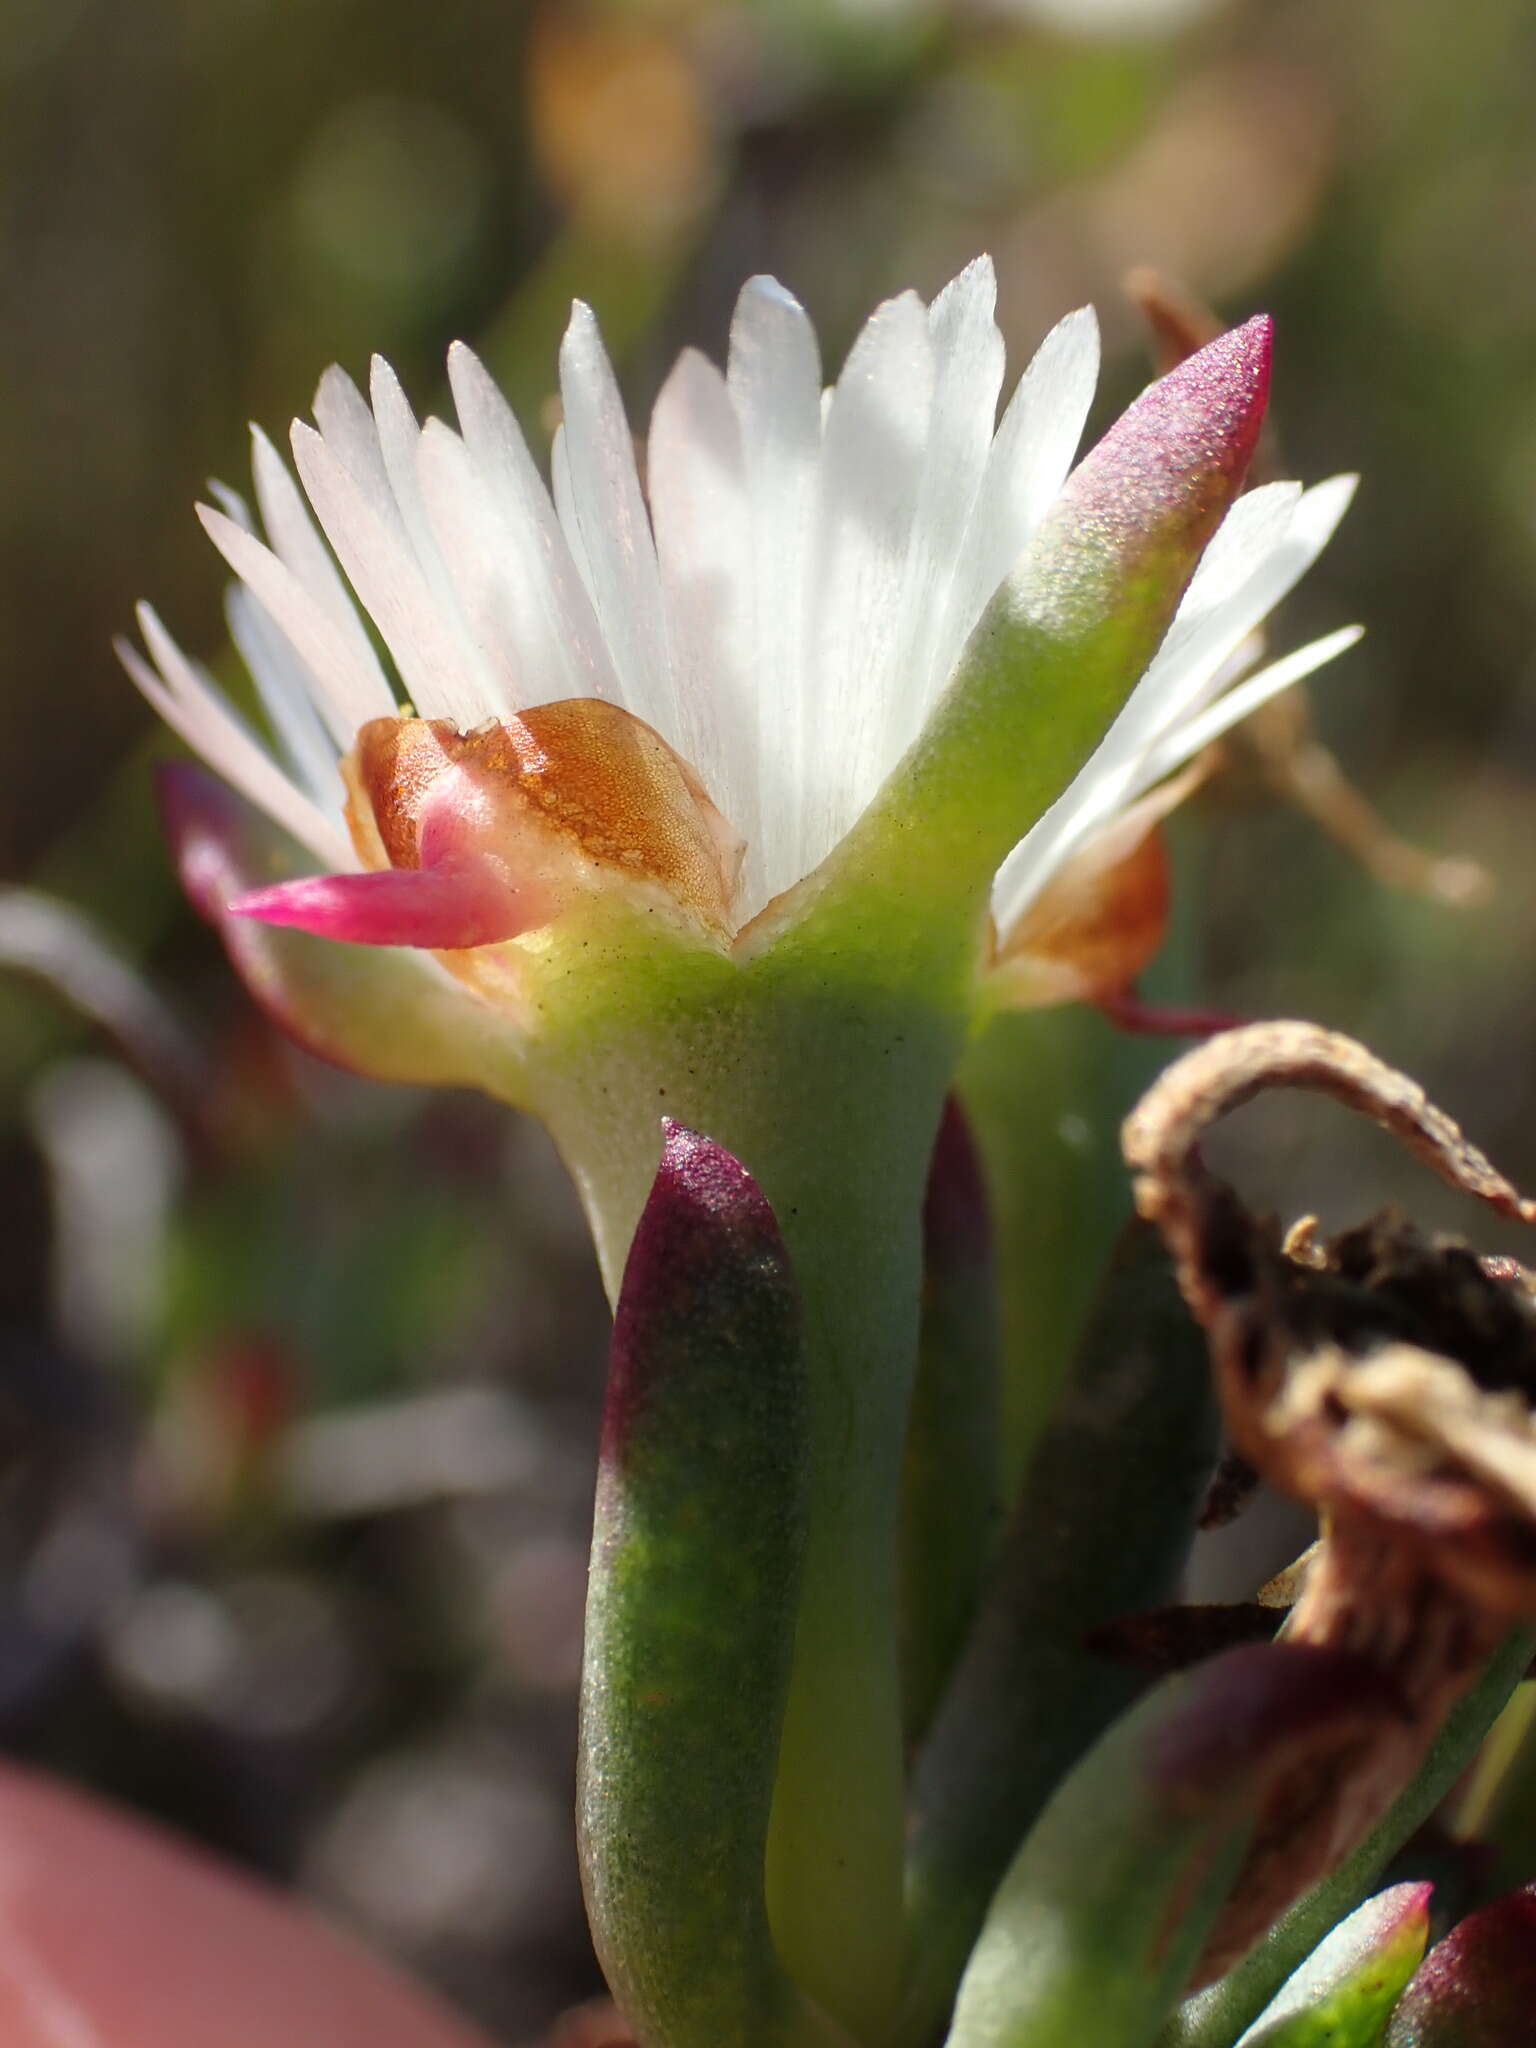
x=1144, y=501
x=696, y=1554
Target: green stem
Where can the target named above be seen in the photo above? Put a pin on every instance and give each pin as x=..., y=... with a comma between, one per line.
x=829, y=1094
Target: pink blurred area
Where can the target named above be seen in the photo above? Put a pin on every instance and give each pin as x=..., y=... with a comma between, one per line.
x=113, y=1935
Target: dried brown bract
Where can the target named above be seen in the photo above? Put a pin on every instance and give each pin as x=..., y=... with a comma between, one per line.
x=1386, y=1379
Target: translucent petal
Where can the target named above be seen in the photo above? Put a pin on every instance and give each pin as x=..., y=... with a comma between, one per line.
x=399, y=440
x=563, y=493
x=968, y=375
x=288, y=695
x=703, y=547
x=1187, y=738
x=558, y=630
x=873, y=452
x=774, y=380
x=1095, y=796
x=442, y=675
x=294, y=539
x=1257, y=564
x=1213, y=618
x=192, y=707
x=1028, y=464
x=355, y=689
x=616, y=535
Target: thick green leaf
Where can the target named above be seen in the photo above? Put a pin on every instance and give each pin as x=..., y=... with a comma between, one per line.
x=696, y=1558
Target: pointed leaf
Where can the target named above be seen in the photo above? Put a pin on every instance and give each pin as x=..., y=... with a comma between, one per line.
x=952, y=1499
x=384, y=1011
x=1343, y=1992
x=696, y=1555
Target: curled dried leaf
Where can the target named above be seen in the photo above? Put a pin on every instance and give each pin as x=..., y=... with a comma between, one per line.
x=1386, y=1379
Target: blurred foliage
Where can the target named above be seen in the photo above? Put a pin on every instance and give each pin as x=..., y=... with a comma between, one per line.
x=348, y=1657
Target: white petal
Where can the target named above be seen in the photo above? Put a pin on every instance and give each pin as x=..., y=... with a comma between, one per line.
x=703, y=548
x=355, y=690
x=1192, y=734
x=467, y=534
x=346, y=420
x=192, y=707
x=293, y=538
x=1215, y=615
x=231, y=504
x=774, y=380
x=1028, y=465
x=558, y=633
x=399, y=443
x=288, y=695
x=1261, y=548
x=968, y=375
x=1096, y=795
x=564, y=496
x=1256, y=564
x=873, y=453
x=441, y=673
x=616, y=536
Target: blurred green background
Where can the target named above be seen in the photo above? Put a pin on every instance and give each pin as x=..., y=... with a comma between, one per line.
x=298, y=1376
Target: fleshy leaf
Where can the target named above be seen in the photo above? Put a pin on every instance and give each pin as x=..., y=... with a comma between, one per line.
x=113, y=1935
x=1067, y=636
x=1107, y=1905
x=1477, y=1988
x=1342, y=1994
x=384, y=1011
x=696, y=1559
x=952, y=1502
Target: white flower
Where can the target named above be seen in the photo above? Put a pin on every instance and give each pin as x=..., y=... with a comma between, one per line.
x=783, y=604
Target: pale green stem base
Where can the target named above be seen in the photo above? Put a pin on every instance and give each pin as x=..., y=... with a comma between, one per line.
x=831, y=1101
